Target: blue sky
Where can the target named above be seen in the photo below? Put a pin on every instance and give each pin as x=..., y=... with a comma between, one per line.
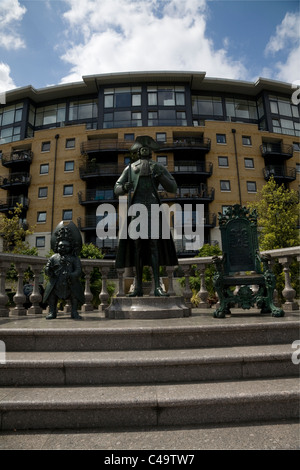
x=47, y=42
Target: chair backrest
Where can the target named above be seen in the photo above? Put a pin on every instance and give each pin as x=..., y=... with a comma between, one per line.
x=238, y=227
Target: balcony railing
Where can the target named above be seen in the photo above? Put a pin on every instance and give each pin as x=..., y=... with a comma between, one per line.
x=96, y=196
x=37, y=263
x=276, y=149
x=110, y=145
x=186, y=143
x=15, y=179
x=279, y=172
x=19, y=156
x=11, y=202
x=94, y=169
x=194, y=167
x=203, y=194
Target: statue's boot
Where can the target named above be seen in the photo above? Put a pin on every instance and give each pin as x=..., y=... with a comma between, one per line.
x=138, y=291
x=52, y=309
x=74, y=314
x=158, y=292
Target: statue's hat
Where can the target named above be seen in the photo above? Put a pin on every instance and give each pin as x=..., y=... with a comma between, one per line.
x=70, y=232
x=144, y=141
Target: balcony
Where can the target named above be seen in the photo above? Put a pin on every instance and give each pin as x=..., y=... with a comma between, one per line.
x=15, y=180
x=17, y=156
x=280, y=173
x=186, y=143
x=95, y=170
x=190, y=195
x=192, y=167
x=269, y=149
x=105, y=145
x=97, y=196
x=10, y=203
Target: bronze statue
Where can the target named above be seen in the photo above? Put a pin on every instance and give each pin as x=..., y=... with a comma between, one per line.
x=143, y=177
x=64, y=270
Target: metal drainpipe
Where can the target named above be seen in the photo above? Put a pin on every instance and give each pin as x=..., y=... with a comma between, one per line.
x=237, y=166
x=54, y=181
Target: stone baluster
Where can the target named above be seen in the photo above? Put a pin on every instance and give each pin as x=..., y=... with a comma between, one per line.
x=4, y=310
x=20, y=298
x=170, y=273
x=104, y=296
x=121, y=292
x=288, y=292
x=187, y=293
x=203, y=293
x=35, y=297
x=88, y=296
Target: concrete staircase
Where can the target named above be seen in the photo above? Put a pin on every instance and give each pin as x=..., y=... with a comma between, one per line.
x=109, y=374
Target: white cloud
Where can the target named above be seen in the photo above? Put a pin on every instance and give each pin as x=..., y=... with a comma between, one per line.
x=6, y=82
x=130, y=35
x=11, y=13
x=287, y=40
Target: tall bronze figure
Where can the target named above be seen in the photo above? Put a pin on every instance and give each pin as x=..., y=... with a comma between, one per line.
x=64, y=270
x=143, y=177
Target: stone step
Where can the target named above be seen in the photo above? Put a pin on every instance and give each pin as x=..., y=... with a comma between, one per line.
x=94, y=334
x=149, y=405
x=148, y=366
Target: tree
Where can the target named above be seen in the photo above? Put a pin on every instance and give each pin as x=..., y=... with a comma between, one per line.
x=13, y=233
x=278, y=214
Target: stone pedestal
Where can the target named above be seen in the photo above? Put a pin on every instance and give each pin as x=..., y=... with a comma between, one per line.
x=148, y=307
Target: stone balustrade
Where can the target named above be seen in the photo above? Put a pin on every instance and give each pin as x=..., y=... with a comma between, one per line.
x=21, y=262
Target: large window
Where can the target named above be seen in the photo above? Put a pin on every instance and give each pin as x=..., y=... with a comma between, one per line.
x=166, y=95
x=167, y=117
x=286, y=126
x=241, y=109
x=207, y=105
x=10, y=134
x=11, y=114
x=81, y=110
x=125, y=97
x=48, y=115
x=283, y=106
x=122, y=119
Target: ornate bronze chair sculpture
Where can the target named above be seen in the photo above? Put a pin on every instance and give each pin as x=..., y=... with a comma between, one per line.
x=242, y=265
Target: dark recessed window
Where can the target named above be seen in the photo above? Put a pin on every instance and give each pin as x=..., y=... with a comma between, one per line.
x=251, y=186
x=225, y=185
x=41, y=216
x=221, y=138
x=246, y=140
x=249, y=163
x=45, y=146
x=67, y=214
x=44, y=169
x=69, y=166
x=43, y=192
x=162, y=159
x=223, y=161
x=70, y=143
x=68, y=190
x=161, y=137
x=40, y=242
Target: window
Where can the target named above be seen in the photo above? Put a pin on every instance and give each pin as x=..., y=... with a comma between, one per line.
x=53, y=114
x=82, y=110
x=283, y=106
x=122, y=119
x=251, y=186
x=246, y=140
x=40, y=242
x=162, y=159
x=43, y=192
x=207, y=105
x=298, y=167
x=45, y=146
x=127, y=160
x=166, y=95
x=161, y=137
x=224, y=209
x=68, y=190
x=125, y=97
x=243, y=109
x=44, y=169
x=221, y=138
x=70, y=143
x=69, y=166
x=129, y=137
x=296, y=146
x=10, y=134
x=249, y=163
x=225, y=185
x=11, y=114
x=223, y=161
x=67, y=214
x=41, y=216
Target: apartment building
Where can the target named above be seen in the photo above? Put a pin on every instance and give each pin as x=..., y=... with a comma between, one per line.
x=63, y=147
